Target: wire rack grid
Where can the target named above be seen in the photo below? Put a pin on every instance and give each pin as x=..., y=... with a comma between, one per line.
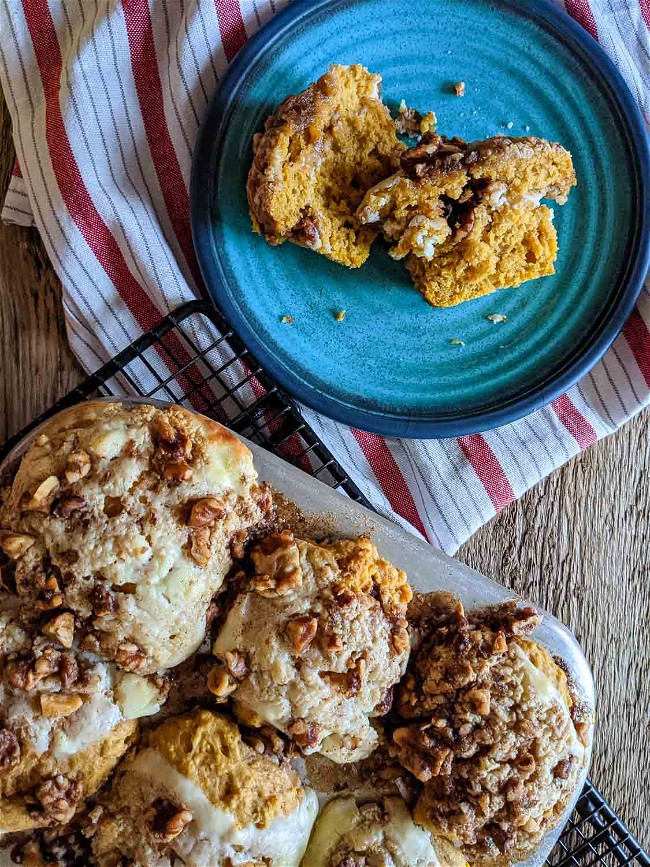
x=193, y=357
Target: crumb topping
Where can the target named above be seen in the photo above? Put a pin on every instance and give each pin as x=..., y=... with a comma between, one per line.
x=485, y=724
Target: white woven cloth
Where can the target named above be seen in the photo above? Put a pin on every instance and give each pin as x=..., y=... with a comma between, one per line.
x=106, y=99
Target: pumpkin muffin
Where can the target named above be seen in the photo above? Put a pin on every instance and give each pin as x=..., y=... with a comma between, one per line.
x=316, y=158
x=124, y=515
x=316, y=642
x=467, y=217
x=491, y=729
x=195, y=793
x=66, y=719
x=349, y=833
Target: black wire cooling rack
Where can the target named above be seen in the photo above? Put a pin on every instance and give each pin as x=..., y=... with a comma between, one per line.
x=193, y=357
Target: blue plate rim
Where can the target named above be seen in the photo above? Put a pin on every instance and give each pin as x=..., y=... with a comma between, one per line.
x=202, y=197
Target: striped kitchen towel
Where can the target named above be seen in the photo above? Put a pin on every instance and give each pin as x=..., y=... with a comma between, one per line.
x=106, y=99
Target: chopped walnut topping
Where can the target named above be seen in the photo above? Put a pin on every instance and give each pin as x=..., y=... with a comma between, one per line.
x=400, y=640
x=58, y=705
x=19, y=674
x=563, y=768
x=386, y=703
x=177, y=471
x=420, y=753
x=277, y=565
x=302, y=632
x=61, y=628
x=15, y=544
x=306, y=233
x=236, y=664
x=408, y=120
x=220, y=683
x=42, y=497
x=477, y=734
x=67, y=506
x=173, y=452
x=102, y=600
x=305, y=734
x=130, y=657
x=9, y=749
x=343, y=595
x=167, y=820
x=68, y=670
x=237, y=544
x=206, y=511
x=78, y=466
x=50, y=596
x=200, y=546
x=58, y=800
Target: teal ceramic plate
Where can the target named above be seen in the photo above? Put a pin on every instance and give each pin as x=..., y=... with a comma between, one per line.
x=391, y=366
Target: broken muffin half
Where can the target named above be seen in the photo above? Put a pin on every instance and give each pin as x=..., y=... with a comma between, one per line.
x=467, y=217
x=318, y=155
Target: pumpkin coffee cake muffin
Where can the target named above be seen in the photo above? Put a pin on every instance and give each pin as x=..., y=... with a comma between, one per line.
x=316, y=158
x=196, y=793
x=66, y=719
x=489, y=726
x=467, y=217
x=315, y=643
x=124, y=516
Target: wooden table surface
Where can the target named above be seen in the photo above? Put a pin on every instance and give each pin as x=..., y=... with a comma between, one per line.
x=578, y=543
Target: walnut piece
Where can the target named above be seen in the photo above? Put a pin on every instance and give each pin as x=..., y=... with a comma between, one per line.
x=58, y=799
x=15, y=544
x=206, y=511
x=78, y=466
x=220, y=683
x=68, y=670
x=305, y=734
x=50, y=595
x=9, y=749
x=302, y=632
x=420, y=753
x=200, y=546
x=130, y=657
x=67, y=506
x=167, y=820
x=343, y=595
x=236, y=664
x=277, y=565
x=173, y=452
x=102, y=600
x=400, y=639
x=61, y=628
x=42, y=496
x=54, y=705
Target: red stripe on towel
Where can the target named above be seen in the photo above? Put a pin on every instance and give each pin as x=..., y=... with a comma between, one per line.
x=488, y=469
x=390, y=477
x=137, y=17
x=580, y=10
x=638, y=338
x=231, y=25
x=574, y=421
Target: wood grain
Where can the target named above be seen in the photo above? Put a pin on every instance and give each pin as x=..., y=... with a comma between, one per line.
x=578, y=543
